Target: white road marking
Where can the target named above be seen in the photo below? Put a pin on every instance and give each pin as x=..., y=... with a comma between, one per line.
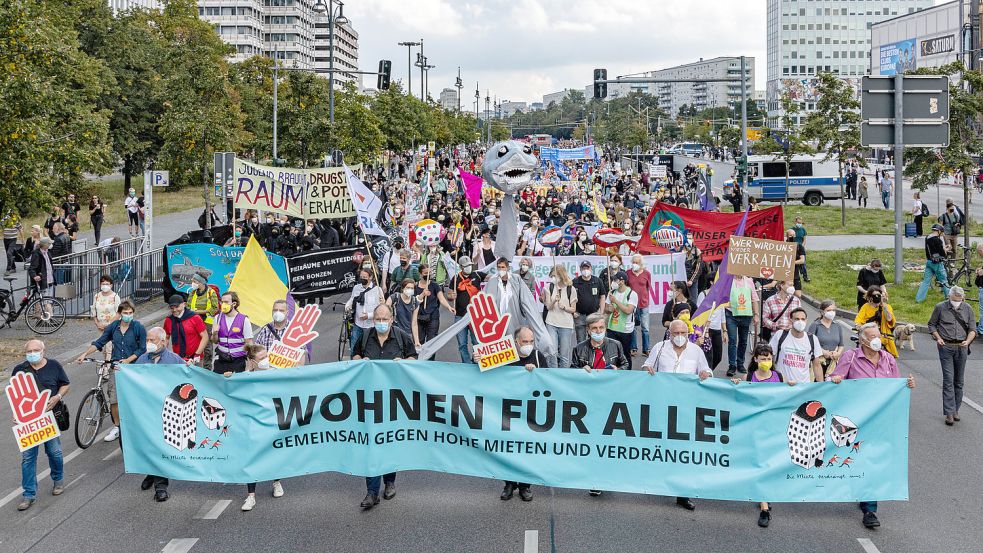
x=115, y=452
x=179, y=545
x=44, y=474
x=868, y=545
x=79, y=477
x=532, y=542
x=212, y=509
x=972, y=404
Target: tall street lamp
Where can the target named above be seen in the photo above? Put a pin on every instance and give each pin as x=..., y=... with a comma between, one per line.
x=334, y=17
x=409, y=65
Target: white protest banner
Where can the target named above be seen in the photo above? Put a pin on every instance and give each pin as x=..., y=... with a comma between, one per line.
x=664, y=270
x=327, y=193
x=760, y=258
x=319, y=193
x=33, y=425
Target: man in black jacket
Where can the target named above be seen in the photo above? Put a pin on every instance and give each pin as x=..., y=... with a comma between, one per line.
x=934, y=263
x=590, y=290
x=598, y=351
x=40, y=270
x=530, y=358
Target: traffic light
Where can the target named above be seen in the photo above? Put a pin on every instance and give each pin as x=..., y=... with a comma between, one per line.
x=600, y=89
x=742, y=164
x=385, y=71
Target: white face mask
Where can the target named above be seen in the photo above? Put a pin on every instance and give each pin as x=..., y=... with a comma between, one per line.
x=636, y=267
x=151, y=347
x=503, y=273
x=799, y=326
x=524, y=351
x=790, y=290
x=524, y=269
x=875, y=344
x=615, y=264
x=587, y=272
x=407, y=292
x=679, y=340
x=105, y=287
x=829, y=315
x=955, y=304
x=264, y=364
x=279, y=316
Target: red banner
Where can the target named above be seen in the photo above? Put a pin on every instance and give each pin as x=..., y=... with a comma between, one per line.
x=709, y=230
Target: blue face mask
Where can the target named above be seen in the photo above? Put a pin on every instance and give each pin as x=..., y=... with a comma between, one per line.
x=597, y=336
x=382, y=328
x=127, y=318
x=33, y=357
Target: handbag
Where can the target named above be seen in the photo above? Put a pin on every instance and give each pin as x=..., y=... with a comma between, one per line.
x=60, y=410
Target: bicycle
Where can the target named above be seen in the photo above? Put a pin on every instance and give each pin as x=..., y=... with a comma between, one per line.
x=345, y=335
x=43, y=314
x=94, y=407
x=964, y=268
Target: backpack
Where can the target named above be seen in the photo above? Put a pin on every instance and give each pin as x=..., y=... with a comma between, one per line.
x=545, y=310
x=812, y=345
x=924, y=209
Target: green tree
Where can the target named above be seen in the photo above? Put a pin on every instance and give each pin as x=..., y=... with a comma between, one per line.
x=305, y=135
x=253, y=82
x=396, y=120
x=356, y=130
x=791, y=142
x=51, y=128
x=965, y=135
x=835, y=126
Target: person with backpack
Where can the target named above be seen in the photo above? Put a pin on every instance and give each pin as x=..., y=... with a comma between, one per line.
x=798, y=354
x=560, y=299
x=918, y=211
x=778, y=309
x=620, y=306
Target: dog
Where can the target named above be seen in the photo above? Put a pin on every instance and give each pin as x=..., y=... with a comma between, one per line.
x=905, y=334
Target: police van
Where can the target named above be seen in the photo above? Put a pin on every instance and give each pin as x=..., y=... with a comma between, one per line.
x=810, y=179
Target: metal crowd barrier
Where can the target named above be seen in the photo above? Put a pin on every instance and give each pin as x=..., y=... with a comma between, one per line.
x=136, y=274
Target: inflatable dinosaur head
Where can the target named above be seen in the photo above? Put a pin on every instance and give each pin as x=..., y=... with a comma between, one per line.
x=509, y=166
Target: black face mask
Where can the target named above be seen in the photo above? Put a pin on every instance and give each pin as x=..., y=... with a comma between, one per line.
x=875, y=299
x=364, y=281
x=404, y=263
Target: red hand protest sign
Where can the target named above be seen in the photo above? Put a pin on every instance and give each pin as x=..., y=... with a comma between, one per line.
x=487, y=324
x=301, y=331
x=25, y=401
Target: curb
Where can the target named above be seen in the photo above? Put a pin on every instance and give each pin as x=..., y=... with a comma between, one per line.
x=852, y=315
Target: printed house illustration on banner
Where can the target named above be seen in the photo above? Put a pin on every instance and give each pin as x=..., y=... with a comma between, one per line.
x=843, y=431
x=212, y=413
x=807, y=434
x=179, y=417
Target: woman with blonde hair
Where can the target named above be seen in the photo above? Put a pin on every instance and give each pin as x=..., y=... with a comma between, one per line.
x=560, y=299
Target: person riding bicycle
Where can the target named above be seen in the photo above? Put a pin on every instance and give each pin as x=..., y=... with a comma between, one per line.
x=157, y=353
x=129, y=339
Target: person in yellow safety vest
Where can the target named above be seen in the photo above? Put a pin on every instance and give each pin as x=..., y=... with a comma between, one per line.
x=202, y=299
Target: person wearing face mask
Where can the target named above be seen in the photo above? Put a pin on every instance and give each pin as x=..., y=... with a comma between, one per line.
x=777, y=310
x=129, y=339
x=383, y=341
x=680, y=356
x=952, y=220
x=953, y=325
x=935, y=254
x=640, y=281
x=560, y=299
x=430, y=294
x=530, y=359
x=620, y=304
x=868, y=360
x=157, y=353
x=871, y=275
x=406, y=309
x=590, y=291
x=257, y=359
x=273, y=330
x=680, y=295
x=800, y=262
x=877, y=310
x=463, y=287
x=526, y=274
x=798, y=354
x=365, y=297
x=203, y=299
x=231, y=333
x=105, y=304
x=581, y=245
x=132, y=206
x=484, y=250
x=49, y=375
x=405, y=270
x=188, y=334
x=831, y=336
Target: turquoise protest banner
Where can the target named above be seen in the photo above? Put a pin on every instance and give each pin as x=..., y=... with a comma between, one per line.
x=216, y=263
x=609, y=430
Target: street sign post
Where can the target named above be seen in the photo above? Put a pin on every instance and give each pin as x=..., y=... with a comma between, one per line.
x=903, y=110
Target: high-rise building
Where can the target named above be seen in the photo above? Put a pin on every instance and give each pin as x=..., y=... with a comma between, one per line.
x=448, y=98
x=808, y=38
x=508, y=107
x=120, y=5
x=288, y=30
x=555, y=97
x=927, y=38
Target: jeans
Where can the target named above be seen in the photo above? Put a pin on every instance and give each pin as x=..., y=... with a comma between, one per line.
x=738, y=328
x=932, y=270
x=563, y=338
x=580, y=327
x=886, y=199
x=979, y=327
x=8, y=246
x=462, y=341
x=625, y=339
x=372, y=483
x=97, y=228
x=803, y=271
x=355, y=337
x=641, y=326
x=29, y=466
x=868, y=506
x=953, y=359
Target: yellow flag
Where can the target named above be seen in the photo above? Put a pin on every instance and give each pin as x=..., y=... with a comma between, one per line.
x=257, y=284
x=602, y=215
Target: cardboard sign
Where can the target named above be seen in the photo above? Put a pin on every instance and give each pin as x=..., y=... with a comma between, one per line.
x=760, y=258
x=495, y=347
x=289, y=352
x=496, y=354
x=34, y=425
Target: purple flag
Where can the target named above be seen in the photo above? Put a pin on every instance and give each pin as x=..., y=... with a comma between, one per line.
x=472, y=187
x=706, y=194
x=719, y=292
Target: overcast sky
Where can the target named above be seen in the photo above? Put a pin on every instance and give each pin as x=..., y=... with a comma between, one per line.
x=522, y=49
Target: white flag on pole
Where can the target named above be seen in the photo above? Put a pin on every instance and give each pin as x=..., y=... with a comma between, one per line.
x=366, y=204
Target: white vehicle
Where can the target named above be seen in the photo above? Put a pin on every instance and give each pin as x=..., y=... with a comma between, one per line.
x=692, y=149
x=810, y=179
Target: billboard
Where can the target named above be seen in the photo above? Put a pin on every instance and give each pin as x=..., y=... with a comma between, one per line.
x=897, y=57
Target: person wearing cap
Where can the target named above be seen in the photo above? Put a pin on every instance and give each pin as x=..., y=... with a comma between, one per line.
x=40, y=269
x=203, y=300
x=934, y=263
x=186, y=330
x=590, y=291
x=620, y=305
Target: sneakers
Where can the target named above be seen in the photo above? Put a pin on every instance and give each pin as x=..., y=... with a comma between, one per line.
x=277, y=489
x=870, y=520
x=113, y=435
x=764, y=518
x=249, y=503
x=594, y=493
x=58, y=488
x=26, y=504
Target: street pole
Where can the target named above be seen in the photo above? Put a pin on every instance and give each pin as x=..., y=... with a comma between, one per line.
x=898, y=172
x=423, y=61
x=409, y=64
x=459, y=84
x=331, y=63
x=744, y=201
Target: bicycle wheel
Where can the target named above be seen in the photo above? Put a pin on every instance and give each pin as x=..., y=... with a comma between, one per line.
x=344, y=342
x=45, y=315
x=89, y=418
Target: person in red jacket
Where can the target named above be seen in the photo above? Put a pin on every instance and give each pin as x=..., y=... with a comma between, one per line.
x=640, y=281
x=186, y=330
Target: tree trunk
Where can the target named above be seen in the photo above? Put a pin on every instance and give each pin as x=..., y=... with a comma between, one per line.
x=127, y=174
x=842, y=195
